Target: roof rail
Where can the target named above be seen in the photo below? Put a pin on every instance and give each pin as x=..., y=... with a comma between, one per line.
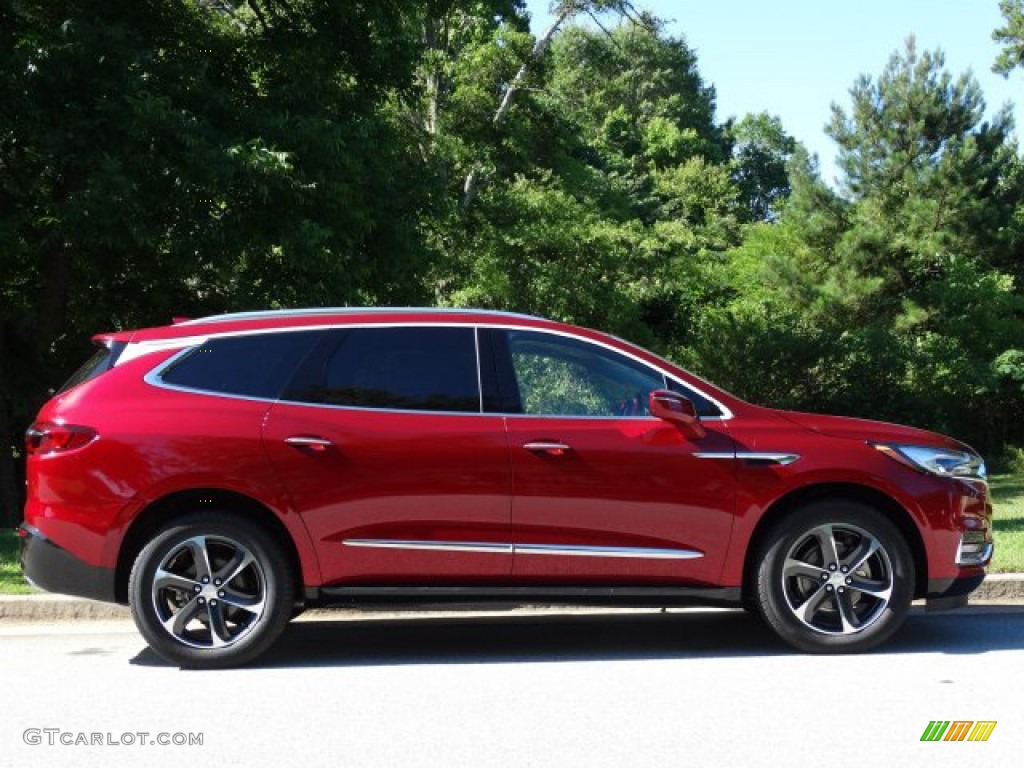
x=314, y=311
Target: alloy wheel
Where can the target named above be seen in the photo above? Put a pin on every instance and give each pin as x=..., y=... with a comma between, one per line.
x=837, y=579
x=209, y=591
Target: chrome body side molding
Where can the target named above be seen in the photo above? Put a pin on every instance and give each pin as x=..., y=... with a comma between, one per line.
x=437, y=546
x=647, y=553
x=576, y=550
x=753, y=457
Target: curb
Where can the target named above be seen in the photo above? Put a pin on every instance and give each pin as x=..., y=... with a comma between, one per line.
x=997, y=588
x=1000, y=588
x=50, y=607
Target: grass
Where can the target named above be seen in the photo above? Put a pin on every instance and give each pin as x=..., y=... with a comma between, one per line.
x=1007, y=498
x=11, y=580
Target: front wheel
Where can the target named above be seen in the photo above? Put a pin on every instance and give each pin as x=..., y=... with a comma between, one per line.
x=835, y=576
x=211, y=590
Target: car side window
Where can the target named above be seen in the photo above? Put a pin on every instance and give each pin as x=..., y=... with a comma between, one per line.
x=403, y=368
x=705, y=408
x=255, y=365
x=559, y=376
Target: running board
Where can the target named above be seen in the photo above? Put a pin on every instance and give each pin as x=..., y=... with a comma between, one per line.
x=427, y=597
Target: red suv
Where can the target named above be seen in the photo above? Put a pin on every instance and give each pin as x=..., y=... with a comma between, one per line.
x=219, y=474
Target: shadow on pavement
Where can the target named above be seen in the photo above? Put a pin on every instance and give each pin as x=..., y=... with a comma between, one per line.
x=976, y=629
x=518, y=638
x=559, y=638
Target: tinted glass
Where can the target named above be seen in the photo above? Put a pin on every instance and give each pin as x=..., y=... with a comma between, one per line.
x=417, y=369
x=99, y=362
x=251, y=366
x=557, y=376
x=704, y=406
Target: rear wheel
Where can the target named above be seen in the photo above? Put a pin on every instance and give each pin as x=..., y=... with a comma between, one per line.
x=211, y=590
x=835, y=576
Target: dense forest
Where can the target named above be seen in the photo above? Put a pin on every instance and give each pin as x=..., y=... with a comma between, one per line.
x=188, y=157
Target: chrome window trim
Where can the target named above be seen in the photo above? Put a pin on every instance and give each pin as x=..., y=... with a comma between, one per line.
x=596, y=418
x=571, y=550
x=153, y=379
x=192, y=341
x=725, y=415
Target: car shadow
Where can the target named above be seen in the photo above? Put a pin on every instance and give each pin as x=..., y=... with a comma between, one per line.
x=517, y=637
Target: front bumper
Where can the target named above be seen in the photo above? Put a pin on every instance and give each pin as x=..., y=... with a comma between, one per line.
x=54, y=569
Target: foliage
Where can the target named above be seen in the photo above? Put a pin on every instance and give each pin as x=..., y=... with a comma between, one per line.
x=899, y=296
x=616, y=197
x=1011, y=36
x=1013, y=460
x=1008, y=522
x=163, y=157
x=761, y=152
x=12, y=581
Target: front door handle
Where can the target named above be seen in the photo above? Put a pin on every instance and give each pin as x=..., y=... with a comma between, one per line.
x=547, y=447
x=315, y=444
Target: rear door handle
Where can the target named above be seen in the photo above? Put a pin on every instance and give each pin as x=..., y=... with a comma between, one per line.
x=316, y=444
x=548, y=447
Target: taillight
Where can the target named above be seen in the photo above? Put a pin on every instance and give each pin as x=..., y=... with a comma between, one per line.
x=46, y=437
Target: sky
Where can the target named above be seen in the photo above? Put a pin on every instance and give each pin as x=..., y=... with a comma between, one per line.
x=794, y=58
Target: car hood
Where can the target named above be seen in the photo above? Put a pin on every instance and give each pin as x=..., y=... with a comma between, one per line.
x=866, y=429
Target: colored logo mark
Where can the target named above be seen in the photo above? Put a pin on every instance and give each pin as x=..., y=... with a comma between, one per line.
x=958, y=730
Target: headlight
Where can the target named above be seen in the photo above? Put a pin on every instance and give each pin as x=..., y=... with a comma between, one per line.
x=944, y=462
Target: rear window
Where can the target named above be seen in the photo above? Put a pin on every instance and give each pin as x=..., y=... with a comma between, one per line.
x=102, y=360
x=249, y=366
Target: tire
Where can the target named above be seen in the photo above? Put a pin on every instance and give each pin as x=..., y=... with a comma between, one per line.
x=212, y=617
x=807, y=597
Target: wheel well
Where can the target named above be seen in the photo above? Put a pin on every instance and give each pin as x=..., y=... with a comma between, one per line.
x=896, y=513
x=164, y=510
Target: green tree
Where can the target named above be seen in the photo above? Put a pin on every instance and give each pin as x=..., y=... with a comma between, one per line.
x=1011, y=36
x=160, y=156
x=609, y=187
x=898, y=296
x=929, y=175
x=761, y=151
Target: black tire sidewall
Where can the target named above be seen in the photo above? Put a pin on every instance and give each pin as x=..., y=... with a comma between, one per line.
x=279, y=587
x=771, y=597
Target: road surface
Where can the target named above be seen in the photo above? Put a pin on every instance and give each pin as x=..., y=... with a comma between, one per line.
x=684, y=688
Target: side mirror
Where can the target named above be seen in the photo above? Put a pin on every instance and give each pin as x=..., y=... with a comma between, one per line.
x=676, y=409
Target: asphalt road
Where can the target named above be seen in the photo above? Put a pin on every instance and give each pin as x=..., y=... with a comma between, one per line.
x=704, y=688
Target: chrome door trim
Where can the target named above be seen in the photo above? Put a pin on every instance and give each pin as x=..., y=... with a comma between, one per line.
x=760, y=458
x=576, y=550
x=583, y=550
x=437, y=546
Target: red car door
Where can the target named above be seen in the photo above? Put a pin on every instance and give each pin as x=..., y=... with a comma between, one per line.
x=387, y=458
x=603, y=492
